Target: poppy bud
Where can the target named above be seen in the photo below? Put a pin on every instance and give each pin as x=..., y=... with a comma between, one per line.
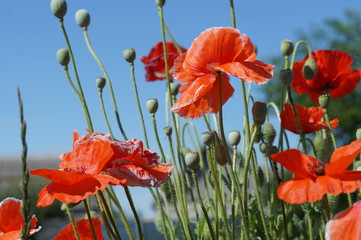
x=263, y=147
x=192, y=160
x=174, y=88
x=271, y=150
x=63, y=57
x=324, y=100
x=358, y=133
x=207, y=138
x=82, y=18
x=309, y=70
x=319, y=144
x=258, y=136
x=168, y=130
x=286, y=76
x=269, y=133
x=160, y=3
x=129, y=55
x=152, y=105
x=286, y=47
x=221, y=155
x=59, y=8
x=100, y=82
x=259, y=112
x=234, y=137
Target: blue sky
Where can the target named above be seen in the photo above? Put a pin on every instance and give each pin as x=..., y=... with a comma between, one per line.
x=30, y=37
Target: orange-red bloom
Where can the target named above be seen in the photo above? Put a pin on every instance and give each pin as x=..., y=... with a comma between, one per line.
x=84, y=230
x=217, y=49
x=154, y=62
x=346, y=224
x=333, y=75
x=310, y=119
x=11, y=220
x=314, y=179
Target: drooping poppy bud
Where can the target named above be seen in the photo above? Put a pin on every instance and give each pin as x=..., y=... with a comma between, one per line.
x=59, y=8
x=269, y=133
x=309, y=69
x=152, y=105
x=82, y=18
x=129, y=55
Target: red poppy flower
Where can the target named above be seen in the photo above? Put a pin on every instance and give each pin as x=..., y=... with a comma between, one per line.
x=11, y=220
x=333, y=75
x=84, y=230
x=154, y=62
x=310, y=119
x=133, y=164
x=216, y=49
x=346, y=224
x=79, y=175
x=314, y=179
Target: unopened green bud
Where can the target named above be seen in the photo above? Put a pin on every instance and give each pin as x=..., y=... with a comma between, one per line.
x=286, y=47
x=269, y=133
x=259, y=112
x=207, y=138
x=63, y=57
x=160, y=3
x=221, y=155
x=152, y=105
x=271, y=150
x=286, y=76
x=59, y=8
x=319, y=144
x=258, y=136
x=129, y=55
x=309, y=70
x=100, y=82
x=168, y=130
x=358, y=133
x=324, y=100
x=263, y=147
x=82, y=18
x=234, y=137
x=192, y=160
x=174, y=88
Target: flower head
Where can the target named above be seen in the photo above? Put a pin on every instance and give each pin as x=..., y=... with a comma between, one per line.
x=310, y=119
x=154, y=62
x=84, y=230
x=217, y=49
x=333, y=75
x=314, y=179
x=12, y=221
x=345, y=224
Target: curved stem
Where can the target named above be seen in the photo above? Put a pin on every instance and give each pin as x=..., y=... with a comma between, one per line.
x=295, y=51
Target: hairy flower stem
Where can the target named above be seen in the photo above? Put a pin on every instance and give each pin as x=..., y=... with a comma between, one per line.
x=100, y=94
x=79, y=90
x=157, y=137
x=87, y=209
x=131, y=65
x=108, y=213
x=71, y=219
x=109, y=83
x=25, y=206
x=330, y=129
x=295, y=51
x=131, y=203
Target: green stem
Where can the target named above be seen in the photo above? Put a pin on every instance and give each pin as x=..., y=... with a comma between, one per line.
x=157, y=137
x=71, y=219
x=106, y=208
x=309, y=224
x=87, y=209
x=330, y=129
x=232, y=14
x=109, y=83
x=131, y=203
x=295, y=51
x=100, y=94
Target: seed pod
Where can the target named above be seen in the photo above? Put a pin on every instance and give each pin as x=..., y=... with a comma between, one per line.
x=174, y=88
x=82, y=18
x=259, y=112
x=207, y=138
x=309, y=70
x=152, y=105
x=168, y=130
x=269, y=133
x=221, y=155
x=100, y=82
x=160, y=3
x=286, y=76
x=59, y=8
x=286, y=47
x=63, y=57
x=192, y=160
x=234, y=137
x=129, y=55
x=324, y=100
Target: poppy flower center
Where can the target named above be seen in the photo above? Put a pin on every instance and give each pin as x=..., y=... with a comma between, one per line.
x=211, y=69
x=316, y=170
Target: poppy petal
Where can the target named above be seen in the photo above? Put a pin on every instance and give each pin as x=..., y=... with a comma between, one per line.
x=342, y=157
x=345, y=83
x=345, y=224
x=179, y=72
x=255, y=71
x=202, y=97
x=296, y=162
x=84, y=230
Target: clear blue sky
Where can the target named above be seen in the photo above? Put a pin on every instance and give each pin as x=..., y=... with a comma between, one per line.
x=30, y=37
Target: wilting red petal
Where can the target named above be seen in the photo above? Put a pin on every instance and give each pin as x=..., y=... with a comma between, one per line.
x=202, y=97
x=333, y=75
x=11, y=221
x=345, y=224
x=342, y=157
x=75, y=192
x=84, y=230
x=179, y=72
x=296, y=162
